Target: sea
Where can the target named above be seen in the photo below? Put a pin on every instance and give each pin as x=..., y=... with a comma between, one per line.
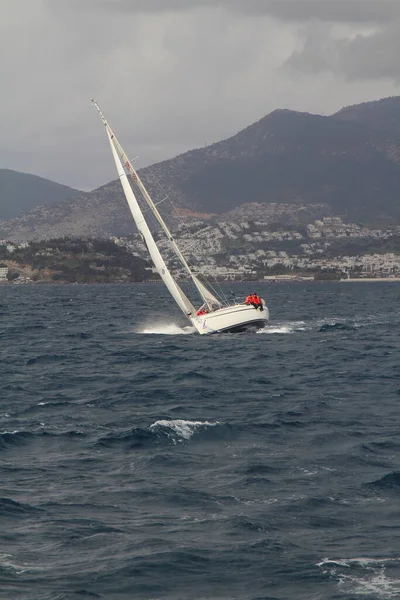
x=142, y=461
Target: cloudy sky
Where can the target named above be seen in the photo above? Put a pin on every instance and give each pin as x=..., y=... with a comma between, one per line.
x=172, y=75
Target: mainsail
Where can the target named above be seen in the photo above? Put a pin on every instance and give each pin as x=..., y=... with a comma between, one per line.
x=183, y=302
x=123, y=164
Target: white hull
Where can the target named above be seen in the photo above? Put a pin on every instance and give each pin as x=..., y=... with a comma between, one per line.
x=238, y=317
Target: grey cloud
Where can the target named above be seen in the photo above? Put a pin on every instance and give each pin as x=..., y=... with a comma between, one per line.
x=373, y=56
x=339, y=11
x=168, y=81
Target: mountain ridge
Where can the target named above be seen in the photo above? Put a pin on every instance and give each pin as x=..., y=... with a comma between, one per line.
x=21, y=192
x=348, y=161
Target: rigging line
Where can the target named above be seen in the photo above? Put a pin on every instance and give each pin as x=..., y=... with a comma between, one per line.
x=144, y=207
x=221, y=293
x=203, y=279
x=187, y=248
x=163, y=200
x=168, y=233
x=207, y=281
x=154, y=179
x=148, y=208
x=157, y=183
x=171, y=257
x=125, y=163
x=160, y=219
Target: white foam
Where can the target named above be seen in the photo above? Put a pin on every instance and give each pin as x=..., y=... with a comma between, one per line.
x=348, y=562
x=166, y=329
x=363, y=576
x=6, y=564
x=289, y=327
x=184, y=429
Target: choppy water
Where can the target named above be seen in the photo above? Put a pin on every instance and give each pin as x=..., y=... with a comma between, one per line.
x=142, y=461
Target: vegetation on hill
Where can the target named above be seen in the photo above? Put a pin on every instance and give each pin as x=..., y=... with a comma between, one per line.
x=20, y=192
x=72, y=260
x=343, y=247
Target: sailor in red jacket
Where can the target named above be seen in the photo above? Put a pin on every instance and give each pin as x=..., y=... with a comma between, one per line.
x=257, y=302
x=254, y=300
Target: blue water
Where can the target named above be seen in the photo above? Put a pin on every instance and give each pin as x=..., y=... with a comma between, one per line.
x=142, y=461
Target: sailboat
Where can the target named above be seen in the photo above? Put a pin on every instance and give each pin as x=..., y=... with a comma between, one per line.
x=214, y=315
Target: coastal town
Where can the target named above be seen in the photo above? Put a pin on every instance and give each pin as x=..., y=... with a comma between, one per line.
x=257, y=250
x=327, y=248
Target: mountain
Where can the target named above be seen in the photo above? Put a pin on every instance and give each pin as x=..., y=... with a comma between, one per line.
x=348, y=163
x=20, y=192
x=381, y=115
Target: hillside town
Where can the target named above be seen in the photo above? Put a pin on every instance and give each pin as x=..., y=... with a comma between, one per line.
x=256, y=250
x=328, y=248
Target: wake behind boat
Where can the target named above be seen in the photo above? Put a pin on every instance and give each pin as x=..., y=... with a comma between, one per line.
x=215, y=314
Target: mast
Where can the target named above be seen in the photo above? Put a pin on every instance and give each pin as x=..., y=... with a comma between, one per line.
x=183, y=302
x=207, y=296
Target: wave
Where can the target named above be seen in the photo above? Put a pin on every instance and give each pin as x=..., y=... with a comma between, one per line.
x=174, y=431
x=181, y=428
x=14, y=438
x=166, y=329
x=46, y=358
x=80, y=334
x=83, y=594
x=134, y=438
x=7, y=564
x=337, y=326
x=19, y=438
x=389, y=481
x=9, y=508
x=321, y=325
x=364, y=576
x=284, y=327
x=280, y=327
x=51, y=403
x=378, y=447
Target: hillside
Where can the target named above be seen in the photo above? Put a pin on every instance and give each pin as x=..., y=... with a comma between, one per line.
x=381, y=115
x=348, y=163
x=69, y=261
x=21, y=192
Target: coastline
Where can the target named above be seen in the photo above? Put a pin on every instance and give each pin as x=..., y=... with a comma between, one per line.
x=369, y=279
x=250, y=281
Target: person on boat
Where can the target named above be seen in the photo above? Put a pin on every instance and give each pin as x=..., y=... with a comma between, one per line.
x=249, y=299
x=202, y=311
x=254, y=300
x=257, y=302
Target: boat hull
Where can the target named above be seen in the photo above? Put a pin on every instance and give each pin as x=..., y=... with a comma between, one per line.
x=233, y=319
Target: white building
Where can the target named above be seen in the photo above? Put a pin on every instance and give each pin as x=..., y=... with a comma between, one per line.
x=3, y=271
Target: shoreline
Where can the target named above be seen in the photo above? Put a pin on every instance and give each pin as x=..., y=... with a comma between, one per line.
x=250, y=281
x=369, y=279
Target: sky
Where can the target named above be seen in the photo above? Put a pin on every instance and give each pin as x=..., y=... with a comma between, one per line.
x=173, y=75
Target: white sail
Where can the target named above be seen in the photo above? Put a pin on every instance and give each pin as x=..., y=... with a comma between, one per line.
x=183, y=302
x=236, y=317
x=207, y=296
